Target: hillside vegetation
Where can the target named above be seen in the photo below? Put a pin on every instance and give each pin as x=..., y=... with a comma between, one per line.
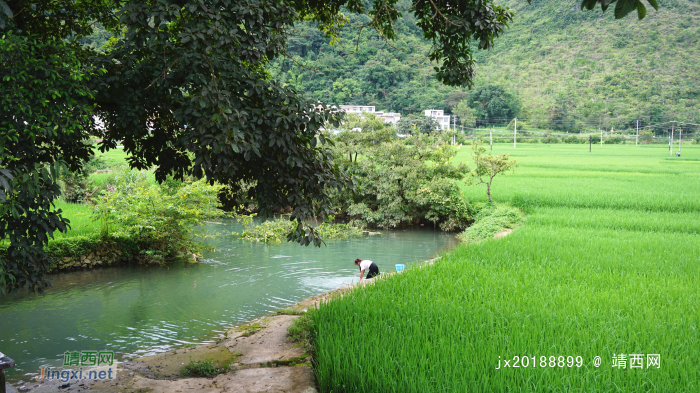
x=570, y=68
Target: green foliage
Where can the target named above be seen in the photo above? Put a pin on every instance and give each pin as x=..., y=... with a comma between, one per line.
x=646, y=136
x=302, y=329
x=271, y=231
x=490, y=221
x=522, y=126
x=41, y=82
x=187, y=88
x=486, y=167
x=466, y=114
x=160, y=218
x=414, y=124
x=493, y=104
x=77, y=186
x=202, y=368
x=275, y=231
x=622, y=7
x=564, y=64
x=403, y=181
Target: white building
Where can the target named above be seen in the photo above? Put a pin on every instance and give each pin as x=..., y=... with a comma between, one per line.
x=357, y=109
x=439, y=115
x=388, y=117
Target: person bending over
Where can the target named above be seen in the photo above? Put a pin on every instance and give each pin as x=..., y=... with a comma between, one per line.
x=366, y=264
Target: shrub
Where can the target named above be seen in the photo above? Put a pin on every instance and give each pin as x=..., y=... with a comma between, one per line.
x=77, y=187
x=161, y=219
x=573, y=139
x=275, y=231
x=491, y=220
x=614, y=140
x=402, y=181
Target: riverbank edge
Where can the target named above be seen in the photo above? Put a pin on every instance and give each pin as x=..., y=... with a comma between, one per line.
x=88, y=251
x=94, y=250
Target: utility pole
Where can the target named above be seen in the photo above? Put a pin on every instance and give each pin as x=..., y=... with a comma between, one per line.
x=590, y=142
x=637, y=142
x=454, y=129
x=680, y=136
x=670, y=145
x=491, y=136
x=515, y=133
x=601, y=136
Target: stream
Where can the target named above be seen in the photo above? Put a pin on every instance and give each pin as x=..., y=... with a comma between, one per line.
x=137, y=311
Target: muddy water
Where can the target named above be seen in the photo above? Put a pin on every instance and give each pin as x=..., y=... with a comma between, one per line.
x=138, y=311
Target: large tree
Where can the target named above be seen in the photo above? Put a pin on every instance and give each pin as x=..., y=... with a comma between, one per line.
x=184, y=84
x=493, y=104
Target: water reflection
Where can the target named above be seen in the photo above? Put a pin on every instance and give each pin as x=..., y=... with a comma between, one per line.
x=137, y=311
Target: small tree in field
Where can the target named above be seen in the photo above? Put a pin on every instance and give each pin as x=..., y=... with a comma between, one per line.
x=487, y=166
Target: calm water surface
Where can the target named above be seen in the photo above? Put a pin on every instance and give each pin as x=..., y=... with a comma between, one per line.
x=139, y=311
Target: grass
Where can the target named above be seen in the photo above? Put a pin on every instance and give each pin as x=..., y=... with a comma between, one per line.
x=250, y=328
x=490, y=221
x=202, y=368
x=82, y=221
x=606, y=263
x=301, y=330
x=114, y=157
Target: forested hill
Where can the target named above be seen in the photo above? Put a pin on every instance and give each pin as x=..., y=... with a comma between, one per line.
x=567, y=66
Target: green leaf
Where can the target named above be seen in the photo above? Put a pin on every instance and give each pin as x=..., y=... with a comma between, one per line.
x=624, y=7
x=588, y=4
x=641, y=10
x=654, y=4
x=6, y=10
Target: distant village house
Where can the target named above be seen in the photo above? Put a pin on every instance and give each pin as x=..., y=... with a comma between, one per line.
x=388, y=117
x=439, y=115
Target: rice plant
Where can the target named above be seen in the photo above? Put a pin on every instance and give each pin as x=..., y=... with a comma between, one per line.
x=607, y=263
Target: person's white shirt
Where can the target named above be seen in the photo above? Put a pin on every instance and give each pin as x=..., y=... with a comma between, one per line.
x=365, y=264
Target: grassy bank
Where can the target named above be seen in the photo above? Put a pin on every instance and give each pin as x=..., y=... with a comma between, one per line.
x=607, y=263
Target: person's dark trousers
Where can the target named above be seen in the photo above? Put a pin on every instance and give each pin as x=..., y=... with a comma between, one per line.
x=373, y=271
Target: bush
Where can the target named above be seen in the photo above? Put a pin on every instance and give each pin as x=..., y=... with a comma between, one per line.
x=573, y=139
x=160, y=218
x=551, y=139
x=522, y=126
x=491, y=220
x=614, y=140
x=275, y=231
x=77, y=187
x=402, y=181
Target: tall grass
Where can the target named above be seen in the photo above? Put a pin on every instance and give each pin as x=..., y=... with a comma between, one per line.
x=82, y=221
x=607, y=263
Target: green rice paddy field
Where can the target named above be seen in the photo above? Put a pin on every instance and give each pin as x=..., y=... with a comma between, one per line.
x=607, y=263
